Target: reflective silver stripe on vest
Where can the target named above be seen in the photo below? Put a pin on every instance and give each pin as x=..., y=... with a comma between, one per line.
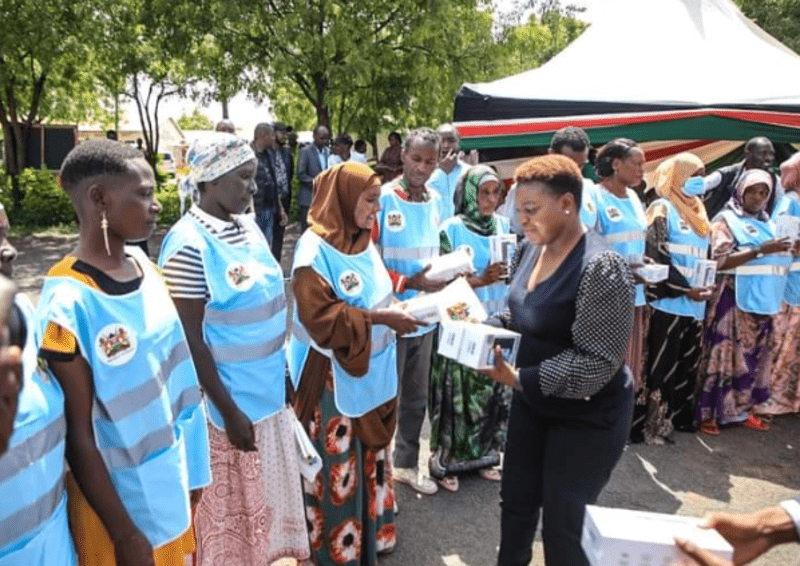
x=779, y=270
x=410, y=253
x=795, y=266
x=119, y=457
x=632, y=236
x=685, y=271
x=302, y=335
x=32, y=449
x=250, y=315
x=139, y=397
x=247, y=352
x=34, y=515
x=189, y=397
x=682, y=249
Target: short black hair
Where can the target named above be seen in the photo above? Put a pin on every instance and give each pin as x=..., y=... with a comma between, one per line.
x=424, y=135
x=262, y=128
x=344, y=139
x=279, y=127
x=395, y=135
x=361, y=146
x=571, y=136
x=319, y=128
x=96, y=157
x=618, y=148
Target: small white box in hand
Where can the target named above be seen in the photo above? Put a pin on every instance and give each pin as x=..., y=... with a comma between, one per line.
x=635, y=259
x=423, y=307
x=619, y=537
x=502, y=248
x=478, y=342
x=446, y=267
x=705, y=272
x=458, y=301
x=653, y=272
x=451, y=334
x=787, y=227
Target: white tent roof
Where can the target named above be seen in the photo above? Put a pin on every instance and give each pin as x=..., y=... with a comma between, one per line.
x=671, y=52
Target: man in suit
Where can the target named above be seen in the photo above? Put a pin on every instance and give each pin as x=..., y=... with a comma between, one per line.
x=313, y=161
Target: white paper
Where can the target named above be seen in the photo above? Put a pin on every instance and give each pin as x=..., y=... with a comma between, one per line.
x=446, y=267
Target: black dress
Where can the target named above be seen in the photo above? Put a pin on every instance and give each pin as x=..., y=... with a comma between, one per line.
x=570, y=419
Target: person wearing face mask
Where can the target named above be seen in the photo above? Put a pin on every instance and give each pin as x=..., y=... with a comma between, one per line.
x=752, y=267
x=229, y=293
x=469, y=412
x=343, y=365
x=571, y=299
x=678, y=234
x=785, y=389
x=623, y=223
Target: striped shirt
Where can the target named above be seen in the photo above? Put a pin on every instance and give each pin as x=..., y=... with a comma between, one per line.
x=184, y=270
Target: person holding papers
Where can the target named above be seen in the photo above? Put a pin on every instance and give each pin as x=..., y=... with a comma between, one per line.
x=735, y=374
x=678, y=235
x=571, y=298
x=342, y=360
x=469, y=412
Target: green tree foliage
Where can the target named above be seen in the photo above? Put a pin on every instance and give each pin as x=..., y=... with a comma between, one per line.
x=195, y=121
x=781, y=18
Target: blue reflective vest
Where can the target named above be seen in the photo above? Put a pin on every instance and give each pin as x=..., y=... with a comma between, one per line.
x=623, y=223
x=409, y=235
x=360, y=280
x=685, y=247
x=589, y=203
x=135, y=345
x=245, y=318
x=790, y=205
x=761, y=282
x=34, y=530
x=493, y=297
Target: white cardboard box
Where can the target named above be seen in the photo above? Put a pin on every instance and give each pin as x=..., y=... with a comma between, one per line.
x=653, y=272
x=446, y=267
x=787, y=227
x=423, y=307
x=704, y=274
x=458, y=301
x=619, y=537
x=502, y=248
x=473, y=344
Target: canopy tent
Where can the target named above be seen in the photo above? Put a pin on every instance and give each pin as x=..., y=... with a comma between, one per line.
x=647, y=70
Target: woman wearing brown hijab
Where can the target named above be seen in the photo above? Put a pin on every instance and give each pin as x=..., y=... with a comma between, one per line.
x=342, y=359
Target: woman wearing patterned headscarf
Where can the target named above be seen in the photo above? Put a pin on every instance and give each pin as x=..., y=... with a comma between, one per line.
x=469, y=412
x=752, y=265
x=228, y=289
x=343, y=364
x=678, y=235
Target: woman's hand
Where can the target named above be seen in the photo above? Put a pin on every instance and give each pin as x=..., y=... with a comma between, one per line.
x=775, y=246
x=697, y=556
x=420, y=282
x=240, y=431
x=398, y=320
x=494, y=273
x=502, y=372
x=134, y=550
x=700, y=293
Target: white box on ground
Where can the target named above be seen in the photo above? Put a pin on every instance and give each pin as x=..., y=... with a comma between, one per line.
x=446, y=267
x=424, y=307
x=705, y=273
x=653, y=272
x=787, y=227
x=458, y=301
x=502, y=248
x=620, y=537
x=476, y=344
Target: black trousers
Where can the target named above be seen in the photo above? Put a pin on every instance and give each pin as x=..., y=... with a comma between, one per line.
x=303, y=218
x=559, y=456
x=278, y=230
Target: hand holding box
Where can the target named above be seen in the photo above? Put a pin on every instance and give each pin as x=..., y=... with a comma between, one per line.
x=446, y=267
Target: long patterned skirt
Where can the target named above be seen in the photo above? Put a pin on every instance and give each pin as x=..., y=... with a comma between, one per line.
x=252, y=513
x=469, y=418
x=350, y=506
x=636, y=354
x=785, y=389
x=736, y=357
x=665, y=403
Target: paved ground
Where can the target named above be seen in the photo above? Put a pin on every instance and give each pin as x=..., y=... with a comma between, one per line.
x=739, y=471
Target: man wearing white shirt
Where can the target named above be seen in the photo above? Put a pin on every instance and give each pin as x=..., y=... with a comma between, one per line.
x=450, y=168
x=359, y=152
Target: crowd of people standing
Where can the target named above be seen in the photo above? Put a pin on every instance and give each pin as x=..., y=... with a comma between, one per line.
x=185, y=402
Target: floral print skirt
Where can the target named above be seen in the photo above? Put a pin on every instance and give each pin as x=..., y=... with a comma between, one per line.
x=350, y=506
x=785, y=396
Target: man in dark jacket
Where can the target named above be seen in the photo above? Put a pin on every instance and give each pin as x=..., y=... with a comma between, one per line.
x=265, y=201
x=284, y=189
x=719, y=185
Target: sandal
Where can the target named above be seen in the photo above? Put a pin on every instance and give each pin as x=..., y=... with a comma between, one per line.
x=491, y=474
x=449, y=483
x=754, y=422
x=710, y=428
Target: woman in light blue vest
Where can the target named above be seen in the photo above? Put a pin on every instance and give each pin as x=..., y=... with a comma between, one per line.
x=622, y=221
x=678, y=235
x=753, y=265
x=229, y=292
x=469, y=412
x=343, y=364
x=136, y=444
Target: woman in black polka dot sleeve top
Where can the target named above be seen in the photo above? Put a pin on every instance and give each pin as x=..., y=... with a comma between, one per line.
x=571, y=298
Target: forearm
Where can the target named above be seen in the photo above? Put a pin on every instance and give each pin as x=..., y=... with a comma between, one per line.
x=736, y=259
